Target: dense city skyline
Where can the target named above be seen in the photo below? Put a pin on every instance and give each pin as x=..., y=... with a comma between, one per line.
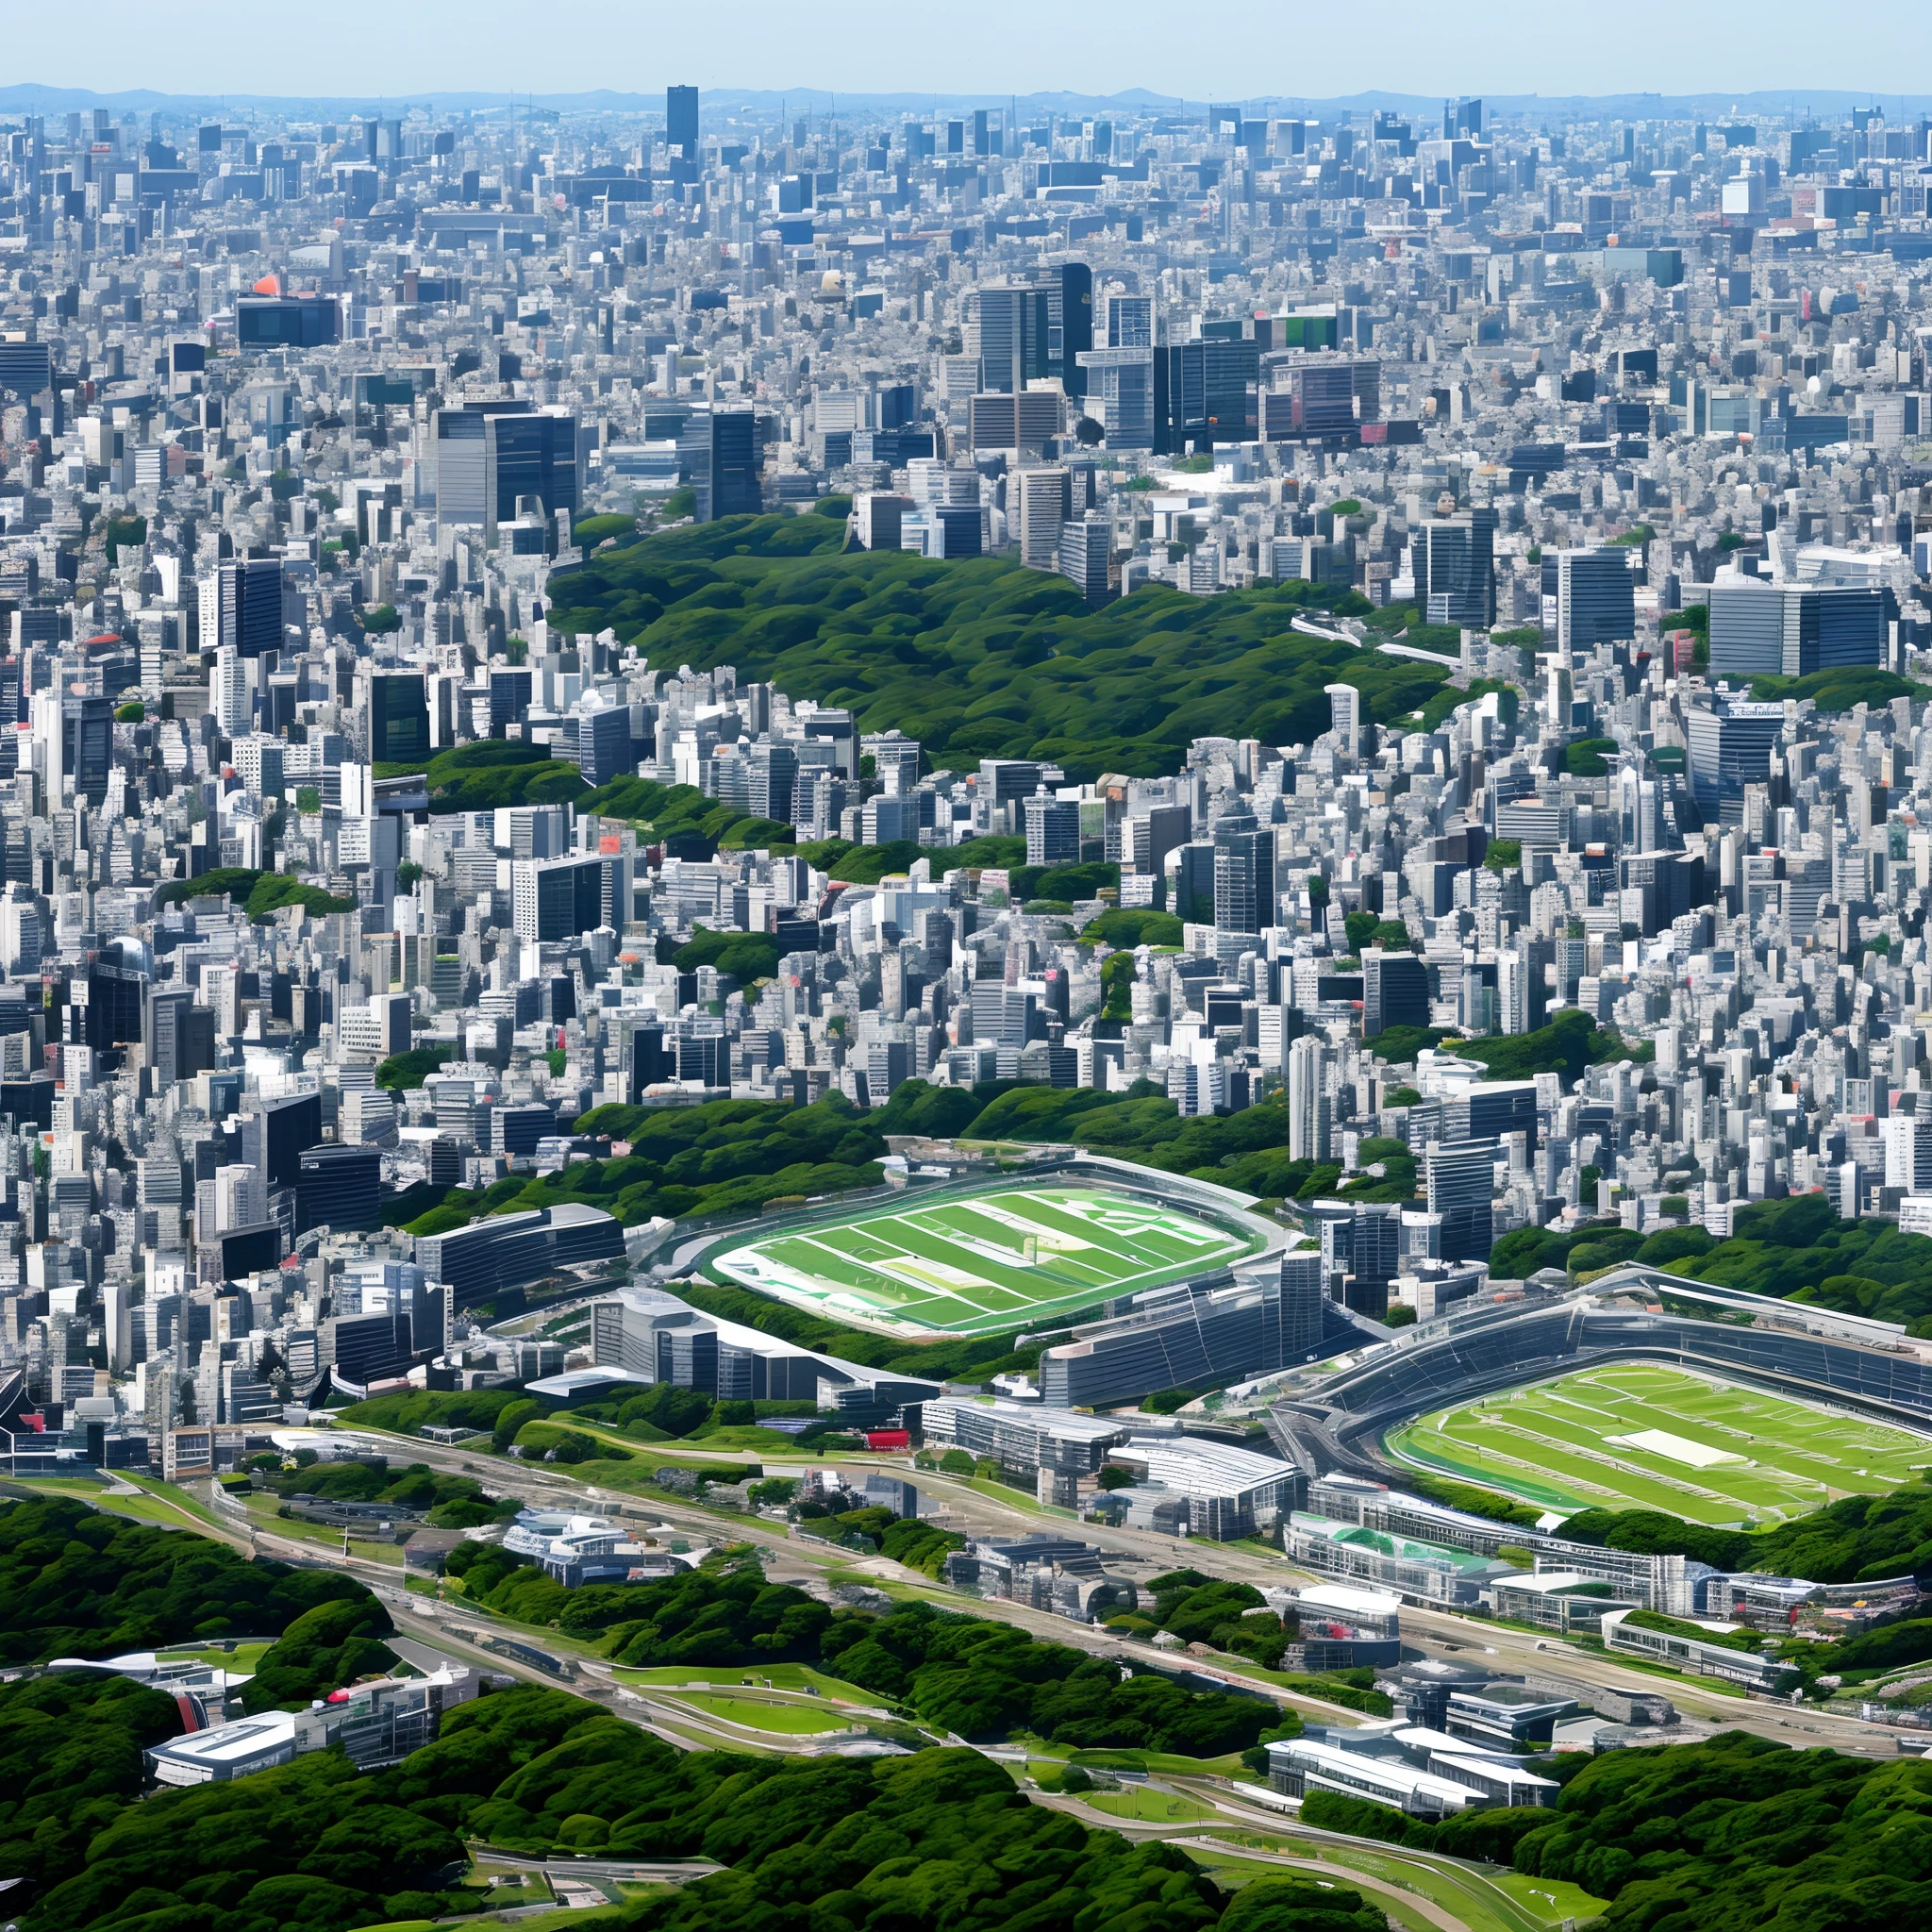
x=893, y=984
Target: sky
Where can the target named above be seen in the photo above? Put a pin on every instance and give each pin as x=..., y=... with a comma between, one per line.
x=360, y=49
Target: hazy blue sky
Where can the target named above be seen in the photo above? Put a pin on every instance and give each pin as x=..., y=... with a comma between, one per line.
x=361, y=47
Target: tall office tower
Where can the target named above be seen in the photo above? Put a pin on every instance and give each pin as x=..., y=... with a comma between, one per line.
x=1205, y=393
x=490, y=456
x=1302, y=1302
x=1053, y=831
x=1243, y=873
x=177, y=1036
x=681, y=119
x=1512, y=990
x=1463, y=120
x=1375, y=1260
x=1345, y=716
x=1086, y=553
x=555, y=898
x=1596, y=598
x=1130, y=322
x=232, y=697
x=1460, y=1178
x=1907, y=1139
x=22, y=933
x=724, y=457
x=1117, y=386
x=1794, y=629
x=242, y=606
x=398, y=716
x=1045, y=504
x=1308, y=1105
x=1075, y=329
x=1457, y=570
x=1322, y=395
x=1395, y=991
x=1730, y=748
x=1013, y=336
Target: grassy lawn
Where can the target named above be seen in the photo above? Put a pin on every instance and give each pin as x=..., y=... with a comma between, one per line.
x=1484, y=1901
x=892, y=1586
x=262, y=1512
x=1235, y=1872
x=696, y=1739
x=173, y=1494
x=978, y=1264
x=782, y=1720
x=1147, y=1808
x=724, y=1678
x=747, y=1439
x=1551, y=1899
x=244, y=1657
x=1163, y=1763
x=1641, y=1435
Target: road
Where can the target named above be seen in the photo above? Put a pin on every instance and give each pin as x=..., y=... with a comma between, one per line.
x=1140, y=1554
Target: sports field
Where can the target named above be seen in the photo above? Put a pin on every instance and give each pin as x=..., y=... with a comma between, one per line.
x=1639, y=1435
x=986, y=1263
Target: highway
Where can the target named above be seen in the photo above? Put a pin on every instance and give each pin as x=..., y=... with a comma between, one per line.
x=1136, y=1554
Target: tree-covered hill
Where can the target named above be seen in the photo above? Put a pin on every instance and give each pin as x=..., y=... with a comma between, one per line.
x=981, y=659
x=1796, y=1249
x=939, y=1841
x=76, y=1582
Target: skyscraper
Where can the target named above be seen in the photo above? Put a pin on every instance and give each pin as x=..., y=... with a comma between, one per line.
x=1794, y=629
x=398, y=718
x=1461, y=1179
x=1345, y=715
x=681, y=119
x=1204, y=393
x=723, y=454
x=1395, y=991
x=1013, y=336
x=490, y=455
x=1117, y=385
x=1596, y=598
x=1302, y=1302
x=1053, y=831
x=1457, y=569
x=1730, y=748
x=242, y=606
x=1086, y=552
x=1045, y=503
x=1243, y=873
x=1377, y=1258
x=1308, y=1105
x=1077, y=326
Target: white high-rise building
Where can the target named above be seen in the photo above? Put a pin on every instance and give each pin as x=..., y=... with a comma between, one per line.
x=1308, y=1107
x=1908, y=1140
x=232, y=698
x=1346, y=712
x=21, y=935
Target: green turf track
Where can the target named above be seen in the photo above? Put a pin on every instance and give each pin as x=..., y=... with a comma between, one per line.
x=1547, y=1444
x=959, y=1266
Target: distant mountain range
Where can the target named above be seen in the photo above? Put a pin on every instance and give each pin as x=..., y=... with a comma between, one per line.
x=28, y=98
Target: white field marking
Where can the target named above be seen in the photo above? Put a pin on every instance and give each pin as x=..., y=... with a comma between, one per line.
x=1677, y=1449
x=1124, y=1218
x=1005, y=1217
